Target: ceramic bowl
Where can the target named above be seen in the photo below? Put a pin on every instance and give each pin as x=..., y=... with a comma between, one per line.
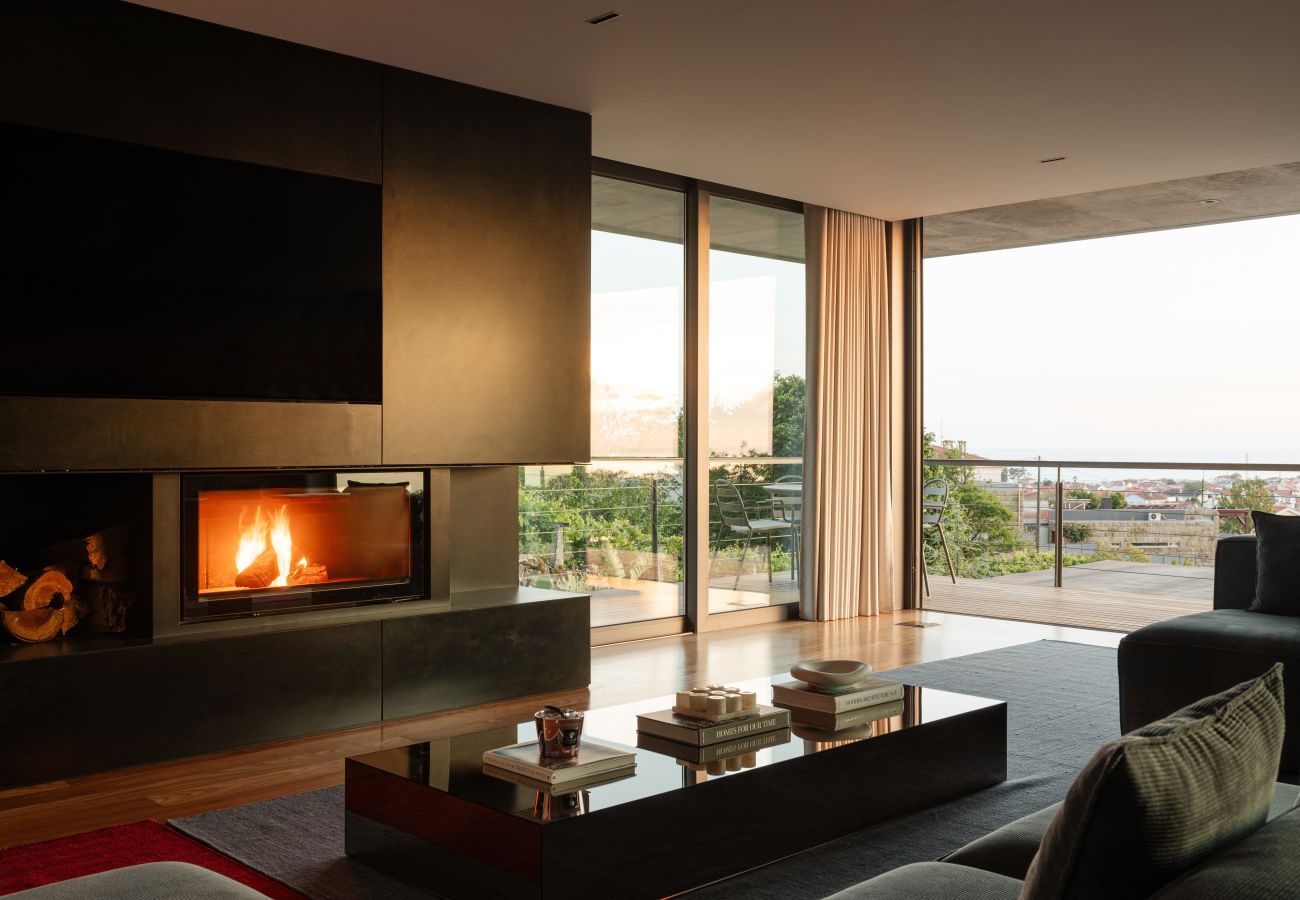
x=831, y=673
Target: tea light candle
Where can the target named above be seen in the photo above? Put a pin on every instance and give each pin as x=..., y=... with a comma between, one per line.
x=699, y=702
x=717, y=705
x=733, y=703
x=683, y=699
x=733, y=764
x=717, y=767
x=749, y=760
x=748, y=700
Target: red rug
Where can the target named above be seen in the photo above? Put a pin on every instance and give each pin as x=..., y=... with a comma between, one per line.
x=112, y=848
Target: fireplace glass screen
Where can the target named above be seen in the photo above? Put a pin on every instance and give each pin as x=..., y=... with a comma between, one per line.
x=279, y=542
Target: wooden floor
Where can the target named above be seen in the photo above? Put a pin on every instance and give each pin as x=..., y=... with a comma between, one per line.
x=1107, y=610
x=621, y=673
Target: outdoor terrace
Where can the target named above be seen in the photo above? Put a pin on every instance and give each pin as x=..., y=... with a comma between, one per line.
x=1104, y=567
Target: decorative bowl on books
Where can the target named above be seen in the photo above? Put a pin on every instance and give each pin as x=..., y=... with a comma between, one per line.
x=831, y=673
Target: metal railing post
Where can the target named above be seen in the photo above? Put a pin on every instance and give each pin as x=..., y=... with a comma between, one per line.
x=654, y=525
x=1060, y=528
x=1038, y=512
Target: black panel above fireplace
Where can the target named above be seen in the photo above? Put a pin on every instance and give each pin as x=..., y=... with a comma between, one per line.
x=131, y=271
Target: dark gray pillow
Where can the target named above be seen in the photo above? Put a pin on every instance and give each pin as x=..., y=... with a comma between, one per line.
x=1277, y=564
x=1154, y=803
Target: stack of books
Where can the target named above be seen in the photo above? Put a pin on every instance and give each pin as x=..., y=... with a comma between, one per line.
x=837, y=709
x=702, y=732
x=595, y=762
x=716, y=759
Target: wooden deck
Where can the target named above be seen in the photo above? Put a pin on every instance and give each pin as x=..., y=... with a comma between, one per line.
x=1109, y=597
x=630, y=600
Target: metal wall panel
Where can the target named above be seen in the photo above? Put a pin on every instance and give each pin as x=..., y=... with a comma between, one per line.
x=487, y=217
x=56, y=433
x=95, y=711
x=124, y=72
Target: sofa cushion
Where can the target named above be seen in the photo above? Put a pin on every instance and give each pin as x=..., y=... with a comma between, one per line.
x=150, y=881
x=1173, y=663
x=1265, y=865
x=1277, y=566
x=1156, y=802
x=933, y=881
x=1234, y=571
x=1010, y=849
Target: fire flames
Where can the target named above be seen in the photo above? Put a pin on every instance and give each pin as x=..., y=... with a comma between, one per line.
x=253, y=538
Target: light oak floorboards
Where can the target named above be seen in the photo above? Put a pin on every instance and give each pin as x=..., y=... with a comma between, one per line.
x=621, y=673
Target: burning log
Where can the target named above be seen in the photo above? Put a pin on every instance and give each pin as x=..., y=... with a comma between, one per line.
x=10, y=579
x=35, y=625
x=95, y=550
x=108, y=605
x=50, y=585
x=309, y=573
x=261, y=571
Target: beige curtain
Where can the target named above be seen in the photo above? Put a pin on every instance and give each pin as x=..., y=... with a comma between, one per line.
x=852, y=561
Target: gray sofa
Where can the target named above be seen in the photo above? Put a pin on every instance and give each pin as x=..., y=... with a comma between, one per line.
x=1265, y=865
x=149, y=881
x=1170, y=664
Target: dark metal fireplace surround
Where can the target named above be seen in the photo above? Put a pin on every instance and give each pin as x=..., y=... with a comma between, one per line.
x=248, y=317
x=258, y=543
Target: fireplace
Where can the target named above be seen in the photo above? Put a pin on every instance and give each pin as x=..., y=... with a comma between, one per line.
x=279, y=542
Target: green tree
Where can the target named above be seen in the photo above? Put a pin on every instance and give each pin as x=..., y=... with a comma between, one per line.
x=789, y=405
x=1094, y=502
x=982, y=534
x=1117, y=500
x=1076, y=532
x=1244, y=493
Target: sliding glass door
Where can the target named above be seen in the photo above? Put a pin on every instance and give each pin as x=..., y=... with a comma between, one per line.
x=615, y=527
x=691, y=506
x=756, y=362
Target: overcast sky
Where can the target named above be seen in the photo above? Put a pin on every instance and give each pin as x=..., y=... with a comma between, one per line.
x=1173, y=345
x=756, y=329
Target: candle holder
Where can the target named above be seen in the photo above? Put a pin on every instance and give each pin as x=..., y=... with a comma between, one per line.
x=559, y=732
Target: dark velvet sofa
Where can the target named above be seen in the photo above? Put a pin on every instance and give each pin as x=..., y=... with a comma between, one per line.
x=1261, y=866
x=1170, y=664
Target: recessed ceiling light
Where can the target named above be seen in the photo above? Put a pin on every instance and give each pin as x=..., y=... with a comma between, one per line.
x=606, y=17
x=1209, y=201
x=1053, y=159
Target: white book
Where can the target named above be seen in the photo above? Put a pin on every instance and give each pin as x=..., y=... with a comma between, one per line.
x=526, y=759
x=797, y=695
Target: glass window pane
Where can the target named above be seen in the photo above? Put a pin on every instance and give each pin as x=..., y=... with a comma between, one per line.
x=615, y=527
x=757, y=398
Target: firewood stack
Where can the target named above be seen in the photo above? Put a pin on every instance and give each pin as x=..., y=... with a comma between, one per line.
x=82, y=581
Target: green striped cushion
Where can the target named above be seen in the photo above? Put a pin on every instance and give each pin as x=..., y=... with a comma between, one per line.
x=1159, y=800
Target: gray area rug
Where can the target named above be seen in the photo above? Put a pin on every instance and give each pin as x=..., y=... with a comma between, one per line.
x=1062, y=704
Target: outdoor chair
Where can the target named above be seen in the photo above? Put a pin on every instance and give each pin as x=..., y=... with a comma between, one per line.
x=790, y=510
x=735, y=520
x=934, y=503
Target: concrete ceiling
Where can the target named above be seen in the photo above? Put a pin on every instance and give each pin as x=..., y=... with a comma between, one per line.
x=890, y=109
x=1250, y=194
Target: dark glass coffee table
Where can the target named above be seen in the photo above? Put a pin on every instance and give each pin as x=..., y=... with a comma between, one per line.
x=428, y=814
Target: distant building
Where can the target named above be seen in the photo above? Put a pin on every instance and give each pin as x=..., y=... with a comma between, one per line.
x=949, y=449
